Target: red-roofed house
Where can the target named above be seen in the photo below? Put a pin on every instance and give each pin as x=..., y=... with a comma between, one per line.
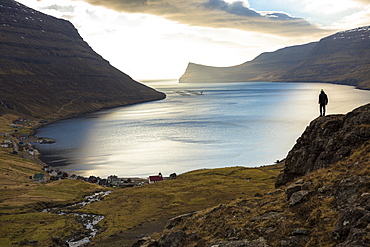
x=154, y=179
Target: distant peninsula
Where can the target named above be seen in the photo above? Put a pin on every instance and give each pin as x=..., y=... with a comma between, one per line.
x=341, y=58
x=48, y=70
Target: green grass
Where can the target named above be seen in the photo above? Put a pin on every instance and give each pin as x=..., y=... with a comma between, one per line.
x=145, y=207
x=35, y=226
x=21, y=198
x=132, y=208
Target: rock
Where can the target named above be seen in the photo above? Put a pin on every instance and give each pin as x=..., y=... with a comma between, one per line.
x=364, y=221
x=299, y=232
x=172, y=240
x=306, y=185
x=298, y=197
x=296, y=187
x=177, y=220
x=364, y=200
x=258, y=195
x=292, y=189
x=324, y=189
x=294, y=241
x=346, y=192
x=261, y=242
x=347, y=222
x=275, y=192
x=325, y=141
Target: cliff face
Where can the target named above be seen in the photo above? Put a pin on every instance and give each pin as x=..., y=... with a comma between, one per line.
x=47, y=68
x=323, y=198
x=326, y=141
x=342, y=58
x=264, y=67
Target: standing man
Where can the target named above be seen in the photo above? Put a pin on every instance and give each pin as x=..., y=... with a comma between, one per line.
x=323, y=101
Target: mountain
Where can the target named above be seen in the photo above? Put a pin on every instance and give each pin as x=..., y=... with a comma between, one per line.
x=322, y=197
x=342, y=58
x=264, y=67
x=47, y=69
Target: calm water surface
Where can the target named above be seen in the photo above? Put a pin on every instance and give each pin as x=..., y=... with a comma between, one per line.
x=233, y=124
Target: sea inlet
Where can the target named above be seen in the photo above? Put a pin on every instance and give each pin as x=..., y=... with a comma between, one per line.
x=197, y=126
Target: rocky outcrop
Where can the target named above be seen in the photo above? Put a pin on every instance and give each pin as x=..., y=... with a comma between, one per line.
x=47, y=69
x=342, y=58
x=354, y=211
x=325, y=141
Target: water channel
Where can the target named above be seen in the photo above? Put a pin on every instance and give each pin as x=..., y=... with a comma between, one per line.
x=89, y=221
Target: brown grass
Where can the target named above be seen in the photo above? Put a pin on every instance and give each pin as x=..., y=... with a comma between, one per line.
x=132, y=209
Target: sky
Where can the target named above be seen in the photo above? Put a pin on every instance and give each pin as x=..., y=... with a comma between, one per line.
x=156, y=39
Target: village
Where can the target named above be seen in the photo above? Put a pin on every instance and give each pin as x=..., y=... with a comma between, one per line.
x=22, y=144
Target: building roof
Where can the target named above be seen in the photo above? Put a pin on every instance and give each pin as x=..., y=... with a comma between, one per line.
x=155, y=178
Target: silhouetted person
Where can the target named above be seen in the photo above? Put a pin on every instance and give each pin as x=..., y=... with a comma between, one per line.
x=323, y=101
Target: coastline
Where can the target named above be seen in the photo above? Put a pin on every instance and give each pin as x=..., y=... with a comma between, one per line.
x=57, y=173
x=181, y=142
x=26, y=131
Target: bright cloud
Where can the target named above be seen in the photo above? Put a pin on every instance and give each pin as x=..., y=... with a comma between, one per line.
x=214, y=14
x=357, y=19
x=328, y=6
x=155, y=39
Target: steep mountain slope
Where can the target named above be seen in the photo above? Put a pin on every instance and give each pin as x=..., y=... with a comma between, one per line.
x=324, y=205
x=264, y=67
x=48, y=70
x=342, y=58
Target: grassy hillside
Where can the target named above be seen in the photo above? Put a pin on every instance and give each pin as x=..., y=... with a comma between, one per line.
x=342, y=58
x=199, y=208
x=21, y=199
x=327, y=205
x=271, y=220
x=134, y=211
x=129, y=212
x=47, y=69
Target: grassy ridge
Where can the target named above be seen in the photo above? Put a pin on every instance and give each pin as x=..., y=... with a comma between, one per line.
x=335, y=192
x=147, y=208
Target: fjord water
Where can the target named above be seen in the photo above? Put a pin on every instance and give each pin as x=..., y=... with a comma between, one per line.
x=197, y=126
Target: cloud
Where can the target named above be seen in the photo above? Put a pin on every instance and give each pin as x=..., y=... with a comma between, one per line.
x=364, y=1
x=357, y=19
x=59, y=8
x=237, y=8
x=216, y=14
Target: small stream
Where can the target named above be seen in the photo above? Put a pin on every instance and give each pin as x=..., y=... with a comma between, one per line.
x=90, y=221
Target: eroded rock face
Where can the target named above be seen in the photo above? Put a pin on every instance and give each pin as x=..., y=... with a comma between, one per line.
x=325, y=141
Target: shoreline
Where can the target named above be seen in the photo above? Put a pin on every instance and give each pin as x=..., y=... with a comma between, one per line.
x=33, y=124
x=49, y=120
x=86, y=114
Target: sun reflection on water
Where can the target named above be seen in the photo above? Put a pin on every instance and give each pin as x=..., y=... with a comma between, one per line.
x=236, y=124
